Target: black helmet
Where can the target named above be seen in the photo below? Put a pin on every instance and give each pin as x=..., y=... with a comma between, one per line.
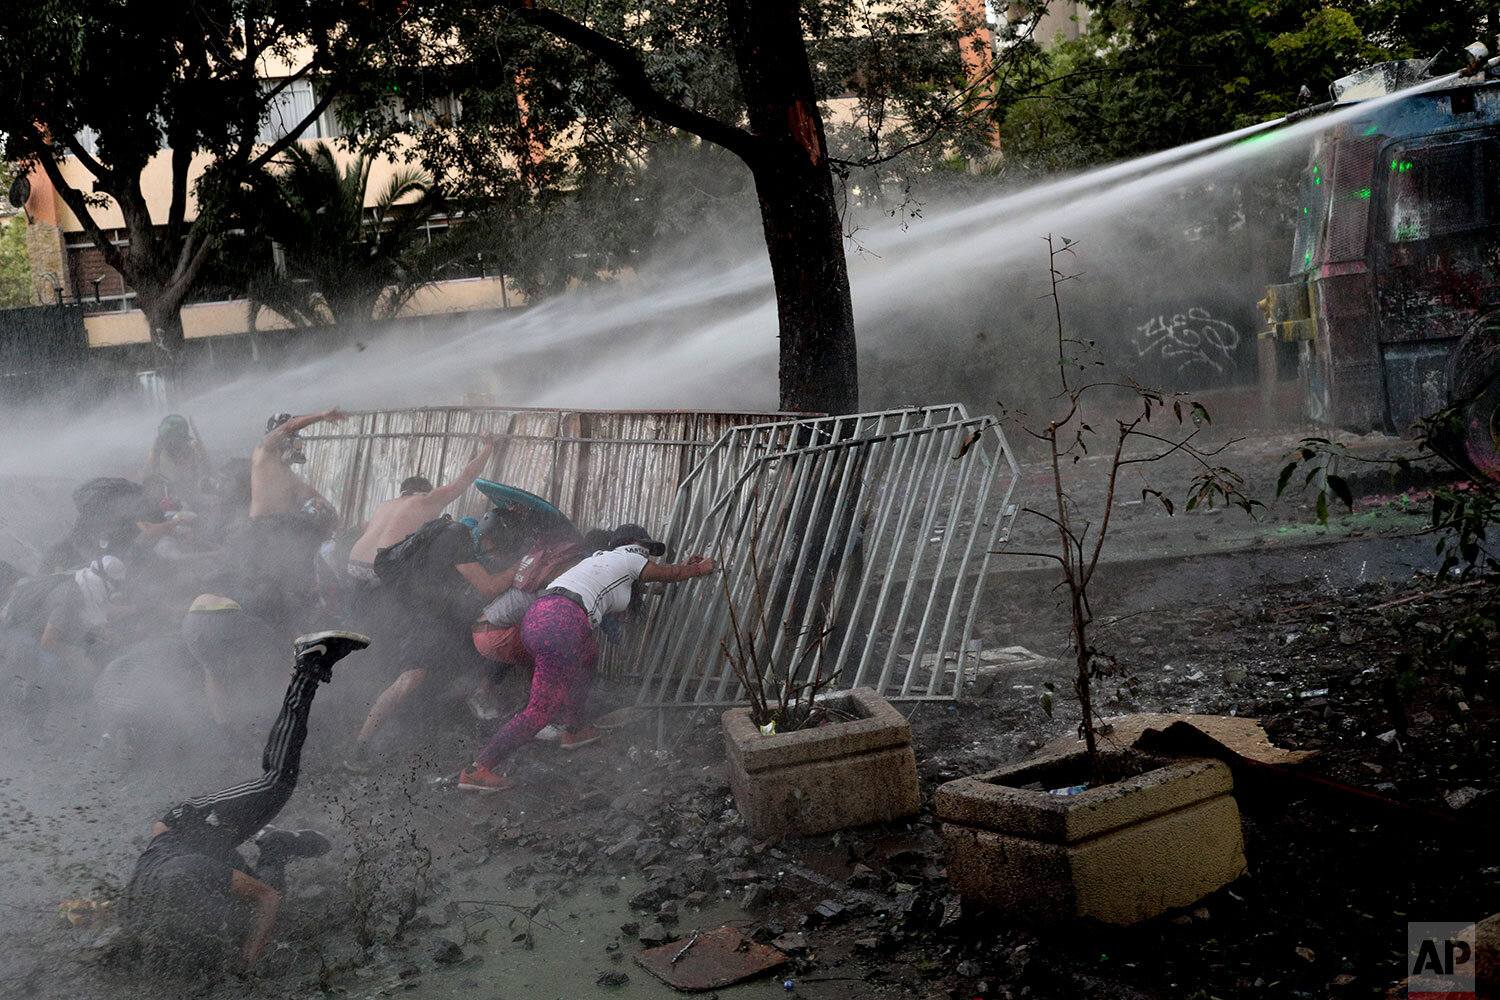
x=291, y=445
x=498, y=541
x=634, y=534
x=174, y=427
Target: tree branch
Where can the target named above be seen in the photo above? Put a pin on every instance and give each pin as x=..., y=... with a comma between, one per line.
x=292, y=135
x=634, y=82
x=78, y=204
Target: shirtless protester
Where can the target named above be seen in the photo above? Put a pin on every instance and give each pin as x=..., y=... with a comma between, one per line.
x=418, y=503
x=288, y=521
x=274, y=487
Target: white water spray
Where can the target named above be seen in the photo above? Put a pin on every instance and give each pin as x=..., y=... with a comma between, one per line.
x=700, y=338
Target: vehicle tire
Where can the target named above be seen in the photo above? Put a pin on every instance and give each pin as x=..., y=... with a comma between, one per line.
x=1474, y=396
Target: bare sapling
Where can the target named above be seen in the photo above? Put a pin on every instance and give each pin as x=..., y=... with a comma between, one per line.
x=783, y=697
x=1081, y=533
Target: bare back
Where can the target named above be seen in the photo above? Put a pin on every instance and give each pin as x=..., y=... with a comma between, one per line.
x=392, y=521
x=274, y=487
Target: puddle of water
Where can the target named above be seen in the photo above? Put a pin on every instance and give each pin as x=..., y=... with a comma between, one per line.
x=570, y=938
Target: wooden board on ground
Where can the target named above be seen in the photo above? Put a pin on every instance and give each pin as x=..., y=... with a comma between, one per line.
x=717, y=958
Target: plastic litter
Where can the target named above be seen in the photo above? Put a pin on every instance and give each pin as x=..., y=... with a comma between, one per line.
x=1069, y=790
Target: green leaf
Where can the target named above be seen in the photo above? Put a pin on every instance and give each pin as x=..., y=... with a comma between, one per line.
x=1341, y=490
x=1322, y=508
x=1284, y=478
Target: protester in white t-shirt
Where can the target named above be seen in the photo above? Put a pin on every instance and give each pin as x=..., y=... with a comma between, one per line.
x=558, y=630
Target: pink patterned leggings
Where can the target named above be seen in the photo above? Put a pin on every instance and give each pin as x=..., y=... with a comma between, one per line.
x=557, y=632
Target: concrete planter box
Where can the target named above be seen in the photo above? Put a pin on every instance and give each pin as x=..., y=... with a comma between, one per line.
x=837, y=775
x=1119, y=853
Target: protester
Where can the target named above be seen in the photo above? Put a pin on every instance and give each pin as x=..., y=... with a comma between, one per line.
x=288, y=521
x=150, y=704
x=192, y=895
x=235, y=649
x=60, y=631
x=376, y=609
x=438, y=577
x=177, y=460
x=274, y=487
x=419, y=502
x=497, y=631
x=558, y=631
x=115, y=517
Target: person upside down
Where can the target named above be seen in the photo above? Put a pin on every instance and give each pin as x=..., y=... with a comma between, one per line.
x=193, y=903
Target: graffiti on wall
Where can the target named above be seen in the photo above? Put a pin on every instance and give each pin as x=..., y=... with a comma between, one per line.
x=1188, y=341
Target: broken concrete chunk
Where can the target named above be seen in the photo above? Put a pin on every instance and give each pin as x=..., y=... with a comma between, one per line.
x=654, y=934
x=650, y=897
x=791, y=943
x=754, y=897
x=446, y=952
x=829, y=910
x=1460, y=797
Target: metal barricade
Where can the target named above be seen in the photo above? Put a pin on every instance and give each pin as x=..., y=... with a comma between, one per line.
x=852, y=549
x=599, y=467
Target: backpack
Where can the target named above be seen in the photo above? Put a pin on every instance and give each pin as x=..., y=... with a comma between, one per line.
x=28, y=602
x=408, y=563
x=108, y=509
x=97, y=494
x=542, y=566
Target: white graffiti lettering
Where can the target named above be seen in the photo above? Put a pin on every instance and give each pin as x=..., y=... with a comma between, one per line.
x=1186, y=339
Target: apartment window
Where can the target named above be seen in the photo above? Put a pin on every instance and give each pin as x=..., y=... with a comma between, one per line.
x=288, y=109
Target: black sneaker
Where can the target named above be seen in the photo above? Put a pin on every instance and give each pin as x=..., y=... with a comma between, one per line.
x=317, y=652
x=280, y=844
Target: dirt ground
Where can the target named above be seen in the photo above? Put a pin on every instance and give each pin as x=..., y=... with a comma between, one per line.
x=1339, y=639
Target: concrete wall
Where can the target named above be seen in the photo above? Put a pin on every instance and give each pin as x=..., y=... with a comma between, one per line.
x=213, y=319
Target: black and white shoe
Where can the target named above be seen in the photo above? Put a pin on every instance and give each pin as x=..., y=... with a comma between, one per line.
x=278, y=845
x=317, y=652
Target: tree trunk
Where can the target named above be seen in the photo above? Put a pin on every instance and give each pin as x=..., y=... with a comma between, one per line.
x=163, y=312
x=798, y=207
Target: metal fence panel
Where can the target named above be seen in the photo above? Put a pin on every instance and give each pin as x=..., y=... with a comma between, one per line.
x=598, y=467
x=853, y=548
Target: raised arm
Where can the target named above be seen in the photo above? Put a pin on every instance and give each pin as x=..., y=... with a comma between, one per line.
x=296, y=424
x=677, y=572
x=443, y=495
x=198, y=448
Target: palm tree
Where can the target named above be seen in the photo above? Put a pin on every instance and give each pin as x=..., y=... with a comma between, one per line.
x=335, y=261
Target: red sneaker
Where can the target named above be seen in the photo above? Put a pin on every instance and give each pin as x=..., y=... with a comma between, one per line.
x=582, y=738
x=481, y=779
